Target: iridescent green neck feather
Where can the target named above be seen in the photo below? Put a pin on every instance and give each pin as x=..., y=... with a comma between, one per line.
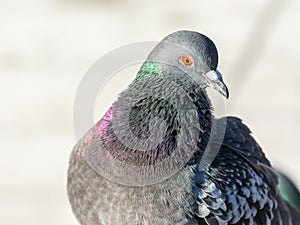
x=148, y=69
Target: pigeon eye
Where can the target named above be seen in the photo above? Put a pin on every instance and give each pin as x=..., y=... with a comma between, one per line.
x=186, y=60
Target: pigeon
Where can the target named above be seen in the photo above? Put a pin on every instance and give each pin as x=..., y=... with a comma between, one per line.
x=160, y=156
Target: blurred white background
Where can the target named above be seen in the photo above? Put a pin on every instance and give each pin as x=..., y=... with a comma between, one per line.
x=47, y=46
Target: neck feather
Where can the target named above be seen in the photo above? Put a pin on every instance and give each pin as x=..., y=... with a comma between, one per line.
x=154, y=117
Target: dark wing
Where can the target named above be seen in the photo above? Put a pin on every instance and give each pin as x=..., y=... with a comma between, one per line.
x=238, y=137
x=245, y=184
x=253, y=152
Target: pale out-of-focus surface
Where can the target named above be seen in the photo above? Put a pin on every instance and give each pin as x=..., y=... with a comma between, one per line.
x=47, y=46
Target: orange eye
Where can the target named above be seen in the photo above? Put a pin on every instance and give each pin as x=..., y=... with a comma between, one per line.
x=186, y=60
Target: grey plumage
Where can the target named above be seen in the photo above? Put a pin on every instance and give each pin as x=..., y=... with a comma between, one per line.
x=235, y=186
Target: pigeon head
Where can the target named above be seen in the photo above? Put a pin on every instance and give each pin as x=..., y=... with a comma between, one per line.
x=157, y=120
x=187, y=53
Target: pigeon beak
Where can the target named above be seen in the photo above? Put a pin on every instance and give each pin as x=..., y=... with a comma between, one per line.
x=216, y=81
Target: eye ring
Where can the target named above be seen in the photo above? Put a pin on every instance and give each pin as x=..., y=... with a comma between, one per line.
x=187, y=60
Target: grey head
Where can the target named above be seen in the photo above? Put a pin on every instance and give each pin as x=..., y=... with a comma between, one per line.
x=194, y=54
x=153, y=128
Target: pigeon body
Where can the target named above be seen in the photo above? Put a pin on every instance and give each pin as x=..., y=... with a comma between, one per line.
x=167, y=101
